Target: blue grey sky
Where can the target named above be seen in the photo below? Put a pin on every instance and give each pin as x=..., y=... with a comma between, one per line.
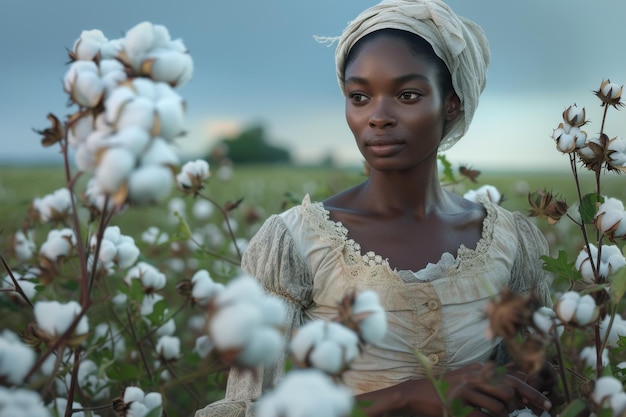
x=257, y=61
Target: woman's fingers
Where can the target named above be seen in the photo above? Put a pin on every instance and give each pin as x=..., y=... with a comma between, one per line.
x=529, y=394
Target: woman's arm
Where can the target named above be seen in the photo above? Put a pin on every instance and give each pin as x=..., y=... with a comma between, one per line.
x=477, y=385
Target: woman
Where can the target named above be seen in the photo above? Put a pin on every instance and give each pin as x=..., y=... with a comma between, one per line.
x=411, y=72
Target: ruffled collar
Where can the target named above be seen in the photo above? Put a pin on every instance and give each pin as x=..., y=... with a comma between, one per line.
x=337, y=235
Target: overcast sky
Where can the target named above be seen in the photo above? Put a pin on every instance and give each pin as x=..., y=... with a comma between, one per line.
x=257, y=61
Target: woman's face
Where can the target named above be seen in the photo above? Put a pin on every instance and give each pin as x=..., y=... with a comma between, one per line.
x=394, y=106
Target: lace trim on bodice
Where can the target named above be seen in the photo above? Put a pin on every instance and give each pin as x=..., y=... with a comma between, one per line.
x=336, y=235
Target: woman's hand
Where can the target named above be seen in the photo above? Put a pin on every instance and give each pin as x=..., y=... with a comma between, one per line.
x=481, y=386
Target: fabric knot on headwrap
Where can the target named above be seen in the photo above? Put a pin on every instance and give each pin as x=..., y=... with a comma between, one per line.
x=459, y=42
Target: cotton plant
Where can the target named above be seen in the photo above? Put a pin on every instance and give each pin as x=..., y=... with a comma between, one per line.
x=583, y=333
x=20, y=402
x=135, y=402
x=90, y=313
x=245, y=324
x=116, y=251
x=16, y=358
x=128, y=115
x=332, y=346
x=487, y=191
x=306, y=393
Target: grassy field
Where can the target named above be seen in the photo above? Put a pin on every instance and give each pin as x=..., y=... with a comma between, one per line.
x=264, y=189
x=266, y=186
x=269, y=188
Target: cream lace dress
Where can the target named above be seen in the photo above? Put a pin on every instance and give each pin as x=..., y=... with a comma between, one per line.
x=310, y=262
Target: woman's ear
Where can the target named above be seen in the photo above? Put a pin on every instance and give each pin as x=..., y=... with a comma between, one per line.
x=453, y=106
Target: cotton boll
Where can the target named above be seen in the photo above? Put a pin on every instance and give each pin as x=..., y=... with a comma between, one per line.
x=243, y=289
x=150, y=184
x=139, y=39
x=169, y=66
x=588, y=355
x=87, y=89
x=305, y=338
x=566, y=306
x=114, y=168
x=115, y=102
x=618, y=329
x=162, y=37
x=168, y=347
x=544, y=319
x=87, y=46
x=146, y=88
x=16, y=358
x=328, y=357
x=171, y=113
x=148, y=302
x=136, y=409
x=54, y=248
x=80, y=129
x=153, y=400
x=202, y=209
x=273, y=311
x=137, y=112
x=151, y=278
x=160, y=152
x=263, y=347
x=54, y=318
x=585, y=310
x=306, y=393
x=112, y=233
x=112, y=74
x=231, y=326
x=132, y=138
x=611, y=90
x=167, y=329
x=605, y=387
x=347, y=338
x=374, y=327
x=133, y=394
x=617, y=402
x=108, y=251
x=616, y=261
x=127, y=254
x=204, y=288
x=111, y=49
x=203, y=346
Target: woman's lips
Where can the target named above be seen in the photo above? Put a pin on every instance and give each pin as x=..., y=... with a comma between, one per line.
x=382, y=147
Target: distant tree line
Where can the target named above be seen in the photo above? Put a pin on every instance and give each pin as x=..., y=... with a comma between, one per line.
x=250, y=146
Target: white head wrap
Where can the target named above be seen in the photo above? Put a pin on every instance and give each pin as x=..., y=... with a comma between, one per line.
x=459, y=42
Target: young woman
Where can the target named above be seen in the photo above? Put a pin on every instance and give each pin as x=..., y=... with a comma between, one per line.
x=411, y=72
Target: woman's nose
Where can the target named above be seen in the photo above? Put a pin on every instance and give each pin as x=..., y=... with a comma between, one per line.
x=381, y=115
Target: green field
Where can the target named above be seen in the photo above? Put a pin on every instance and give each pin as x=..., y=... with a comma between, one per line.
x=267, y=186
x=265, y=190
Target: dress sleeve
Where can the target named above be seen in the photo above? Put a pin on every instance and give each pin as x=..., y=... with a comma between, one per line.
x=528, y=274
x=273, y=258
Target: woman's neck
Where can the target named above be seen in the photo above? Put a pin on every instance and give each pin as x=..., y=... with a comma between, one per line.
x=414, y=194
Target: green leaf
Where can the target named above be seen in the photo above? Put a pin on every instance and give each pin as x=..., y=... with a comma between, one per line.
x=155, y=412
x=448, y=174
x=574, y=408
x=618, y=284
x=157, y=317
x=121, y=371
x=562, y=269
x=459, y=409
x=357, y=411
x=183, y=231
x=588, y=207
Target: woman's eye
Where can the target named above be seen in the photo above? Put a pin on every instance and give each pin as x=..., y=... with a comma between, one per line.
x=409, y=96
x=358, y=97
